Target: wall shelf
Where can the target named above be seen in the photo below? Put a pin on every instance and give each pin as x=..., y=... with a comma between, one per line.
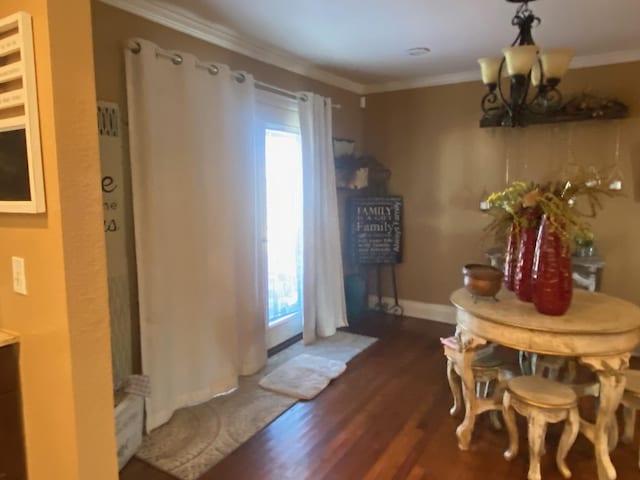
x=581, y=108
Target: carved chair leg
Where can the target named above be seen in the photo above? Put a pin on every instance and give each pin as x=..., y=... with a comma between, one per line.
x=494, y=418
x=509, y=416
x=537, y=432
x=456, y=391
x=629, y=415
x=569, y=435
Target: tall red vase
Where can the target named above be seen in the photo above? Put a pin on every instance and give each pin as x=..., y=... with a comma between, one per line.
x=551, y=275
x=524, y=265
x=510, y=259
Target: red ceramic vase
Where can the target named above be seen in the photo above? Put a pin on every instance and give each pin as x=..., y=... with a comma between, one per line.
x=524, y=265
x=522, y=279
x=510, y=259
x=552, y=281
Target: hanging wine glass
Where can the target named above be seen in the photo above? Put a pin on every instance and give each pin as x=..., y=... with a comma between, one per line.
x=593, y=178
x=485, y=205
x=614, y=181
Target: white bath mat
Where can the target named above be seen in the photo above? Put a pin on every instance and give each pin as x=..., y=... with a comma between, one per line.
x=303, y=377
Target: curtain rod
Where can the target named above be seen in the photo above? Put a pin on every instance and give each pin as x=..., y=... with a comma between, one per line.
x=212, y=68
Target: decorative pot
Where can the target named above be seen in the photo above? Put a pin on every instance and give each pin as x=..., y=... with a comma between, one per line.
x=526, y=251
x=551, y=275
x=510, y=258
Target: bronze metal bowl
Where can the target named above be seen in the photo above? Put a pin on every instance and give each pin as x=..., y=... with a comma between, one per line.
x=482, y=280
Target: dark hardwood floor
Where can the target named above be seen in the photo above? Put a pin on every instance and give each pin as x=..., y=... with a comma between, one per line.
x=387, y=418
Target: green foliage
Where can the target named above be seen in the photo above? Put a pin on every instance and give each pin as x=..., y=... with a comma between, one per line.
x=521, y=204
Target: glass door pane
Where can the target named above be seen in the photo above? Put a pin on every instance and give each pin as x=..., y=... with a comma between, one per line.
x=283, y=169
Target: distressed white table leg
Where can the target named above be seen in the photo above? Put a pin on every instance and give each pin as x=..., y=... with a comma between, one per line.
x=468, y=344
x=613, y=434
x=612, y=382
x=454, y=385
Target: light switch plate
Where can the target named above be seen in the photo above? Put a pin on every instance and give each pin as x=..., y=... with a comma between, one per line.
x=19, y=278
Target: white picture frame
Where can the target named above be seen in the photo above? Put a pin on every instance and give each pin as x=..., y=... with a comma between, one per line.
x=21, y=185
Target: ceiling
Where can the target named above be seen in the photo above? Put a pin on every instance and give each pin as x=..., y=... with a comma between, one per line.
x=365, y=41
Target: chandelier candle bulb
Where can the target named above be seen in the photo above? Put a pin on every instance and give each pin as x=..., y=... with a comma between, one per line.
x=555, y=62
x=520, y=59
x=490, y=69
x=536, y=74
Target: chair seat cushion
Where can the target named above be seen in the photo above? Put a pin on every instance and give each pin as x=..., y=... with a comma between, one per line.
x=633, y=381
x=542, y=392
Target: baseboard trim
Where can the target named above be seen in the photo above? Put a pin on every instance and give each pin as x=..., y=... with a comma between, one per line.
x=422, y=310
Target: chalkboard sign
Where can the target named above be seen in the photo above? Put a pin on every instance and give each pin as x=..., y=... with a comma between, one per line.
x=376, y=230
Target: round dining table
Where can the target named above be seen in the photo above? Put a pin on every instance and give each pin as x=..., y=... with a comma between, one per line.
x=599, y=330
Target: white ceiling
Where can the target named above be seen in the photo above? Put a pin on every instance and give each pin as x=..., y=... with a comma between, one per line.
x=365, y=40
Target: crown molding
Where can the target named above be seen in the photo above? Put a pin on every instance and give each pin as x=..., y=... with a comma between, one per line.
x=610, y=58
x=421, y=82
x=221, y=36
x=585, y=61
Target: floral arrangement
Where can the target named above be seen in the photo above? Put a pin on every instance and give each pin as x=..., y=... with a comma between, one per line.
x=521, y=203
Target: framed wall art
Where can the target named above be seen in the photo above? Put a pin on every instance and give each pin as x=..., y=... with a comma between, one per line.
x=21, y=182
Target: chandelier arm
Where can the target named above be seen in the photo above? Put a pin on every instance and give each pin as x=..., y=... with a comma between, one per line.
x=500, y=92
x=538, y=104
x=489, y=102
x=553, y=97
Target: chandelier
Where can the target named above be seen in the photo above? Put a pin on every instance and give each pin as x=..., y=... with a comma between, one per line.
x=534, y=74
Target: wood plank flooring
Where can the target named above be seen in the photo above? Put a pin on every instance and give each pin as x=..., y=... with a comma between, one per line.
x=387, y=418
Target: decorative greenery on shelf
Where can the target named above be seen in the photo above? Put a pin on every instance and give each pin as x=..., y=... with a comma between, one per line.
x=521, y=202
x=584, y=106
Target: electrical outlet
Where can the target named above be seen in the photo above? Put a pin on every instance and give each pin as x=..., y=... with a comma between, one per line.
x=19, y=278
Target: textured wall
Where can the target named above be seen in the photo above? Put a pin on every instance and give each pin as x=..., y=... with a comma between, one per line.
x=441, y=162
x=63, y=323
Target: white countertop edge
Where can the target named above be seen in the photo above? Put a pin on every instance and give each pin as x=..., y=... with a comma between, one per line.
x=8, y=338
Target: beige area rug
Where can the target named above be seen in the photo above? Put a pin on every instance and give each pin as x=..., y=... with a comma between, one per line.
x=303, y=377
x=196, y=438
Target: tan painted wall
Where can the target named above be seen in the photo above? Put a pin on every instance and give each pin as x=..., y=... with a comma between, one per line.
x=441, y=162
x=63, y=322
x=112, y=28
